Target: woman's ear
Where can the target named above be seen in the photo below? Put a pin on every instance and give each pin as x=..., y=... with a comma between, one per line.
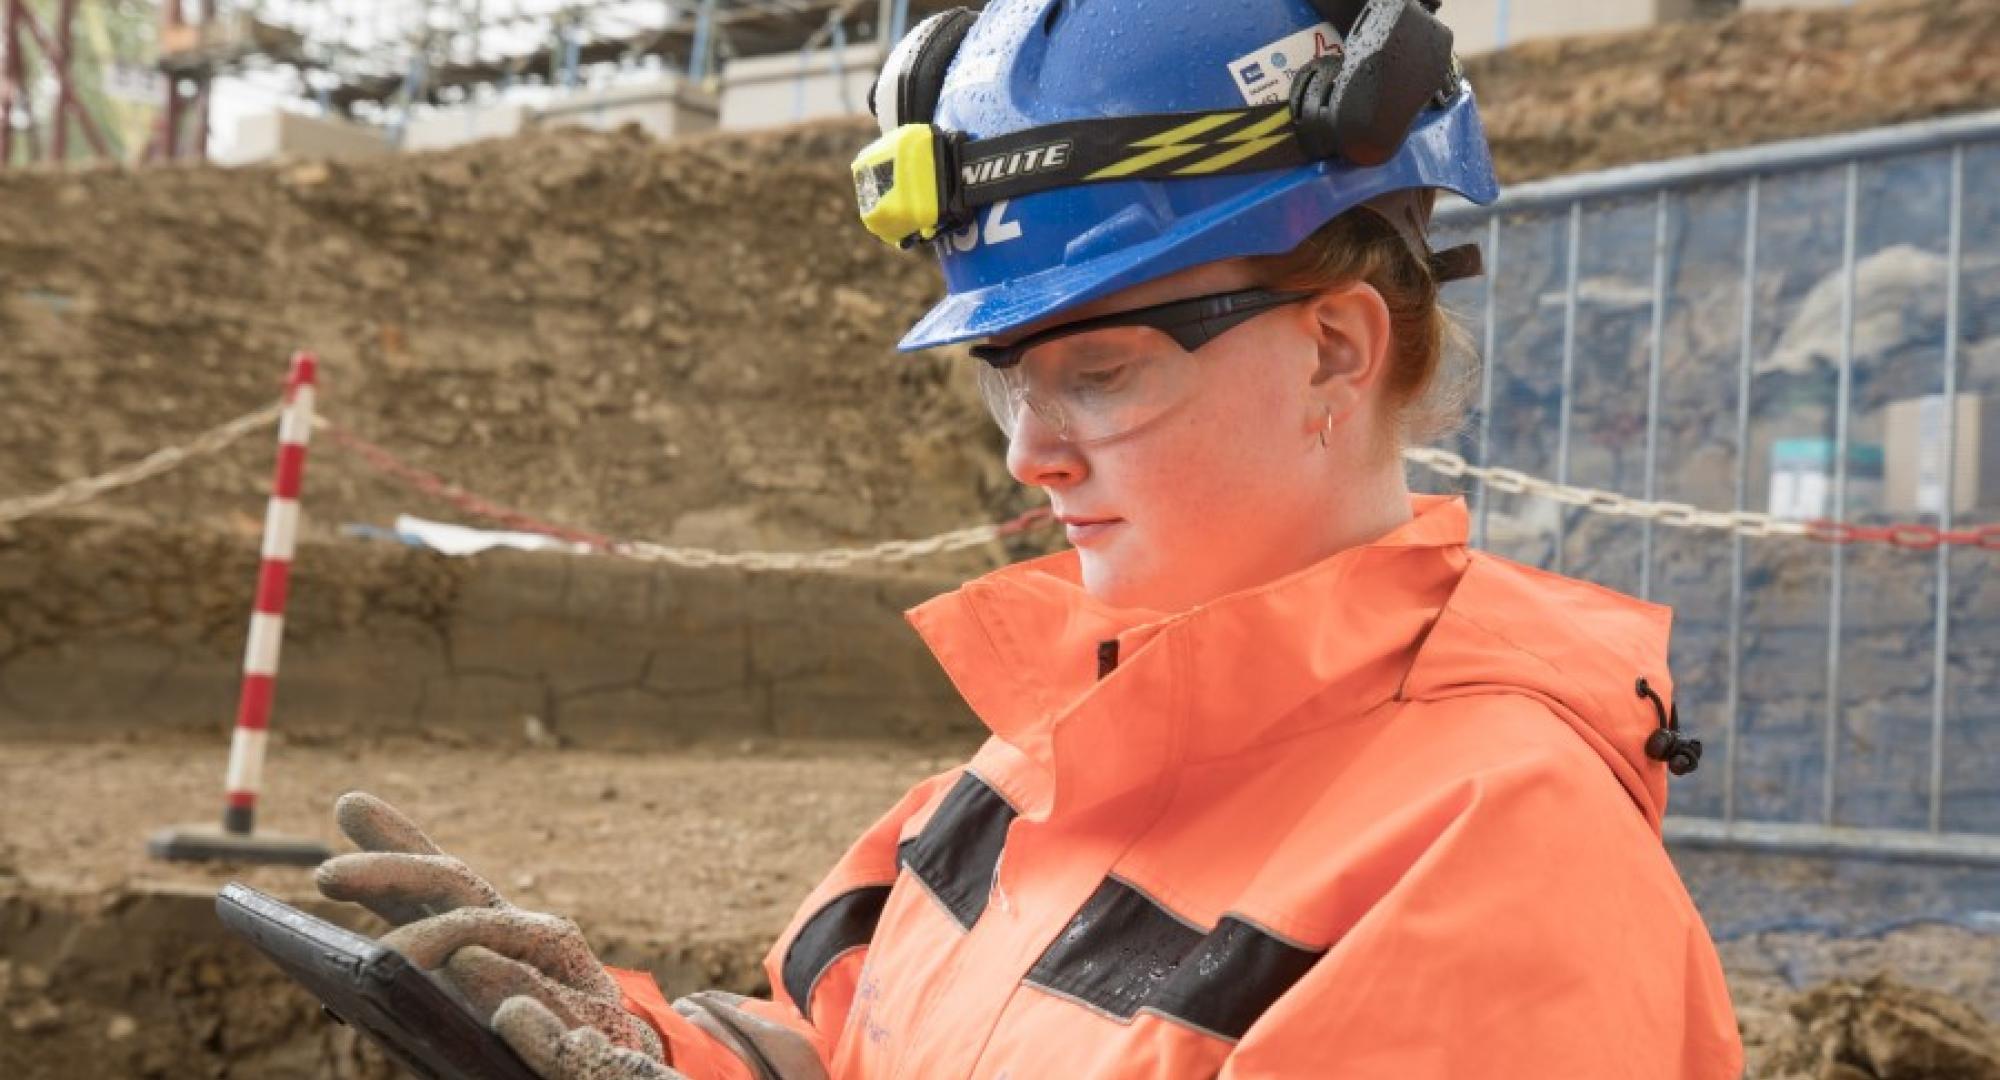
x=1350, y=325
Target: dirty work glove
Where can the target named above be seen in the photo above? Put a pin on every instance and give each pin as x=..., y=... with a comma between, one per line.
x=557, y=1051
x=398, y=873
x=449, y=918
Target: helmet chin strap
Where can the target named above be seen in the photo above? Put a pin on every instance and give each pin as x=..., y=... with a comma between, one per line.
x=1408, y=211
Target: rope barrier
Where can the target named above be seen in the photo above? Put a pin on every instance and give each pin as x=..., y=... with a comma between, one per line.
x=78, y=492
x=889, y=551
x=1909, y=536
x=437, y=487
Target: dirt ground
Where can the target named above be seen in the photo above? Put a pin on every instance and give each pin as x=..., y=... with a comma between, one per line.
x=686, y=864
x=628, y=844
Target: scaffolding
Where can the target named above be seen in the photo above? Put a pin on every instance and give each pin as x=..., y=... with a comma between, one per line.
x=52, y=33
x=374, y=60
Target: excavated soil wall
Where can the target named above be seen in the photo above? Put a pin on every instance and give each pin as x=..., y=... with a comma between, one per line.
x=692, y=341
x=689, y=342
x=1570, y=105
x=683, y=342
x=107, y=629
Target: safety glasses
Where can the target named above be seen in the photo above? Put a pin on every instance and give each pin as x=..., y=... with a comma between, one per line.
x=1097, y=379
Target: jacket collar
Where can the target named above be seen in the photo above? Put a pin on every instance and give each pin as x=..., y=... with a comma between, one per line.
x=1022, y=647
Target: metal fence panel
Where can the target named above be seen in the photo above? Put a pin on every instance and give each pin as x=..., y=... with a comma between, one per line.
x=1781, y=702
x=1703, y=421
x=1736, y=332
x=1888, y=603
x=1609, y=375
x=1971, y=688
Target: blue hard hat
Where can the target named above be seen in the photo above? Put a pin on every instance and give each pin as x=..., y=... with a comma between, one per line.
x=1030, y=63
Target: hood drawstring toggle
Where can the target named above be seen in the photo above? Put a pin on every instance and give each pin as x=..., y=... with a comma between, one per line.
x=1682, y=754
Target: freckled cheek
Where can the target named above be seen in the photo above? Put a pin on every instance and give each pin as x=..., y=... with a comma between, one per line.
x=1246, y=427
x=1246, y=457
x=1179, y=484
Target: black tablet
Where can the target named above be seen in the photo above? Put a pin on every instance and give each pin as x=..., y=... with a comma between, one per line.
x=421, y=1023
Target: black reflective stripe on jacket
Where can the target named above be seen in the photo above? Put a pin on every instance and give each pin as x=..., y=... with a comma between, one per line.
x=1125, y=952
x=958, y=852
x=846, y=922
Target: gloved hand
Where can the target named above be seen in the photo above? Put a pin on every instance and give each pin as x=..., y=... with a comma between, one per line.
x=398, y=874
x=449, y=917
x=557, y=1051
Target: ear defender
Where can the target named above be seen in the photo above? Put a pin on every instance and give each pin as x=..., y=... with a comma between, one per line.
x=1359, y=102
x=912, y=78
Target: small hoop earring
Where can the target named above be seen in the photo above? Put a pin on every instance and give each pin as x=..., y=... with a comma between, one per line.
x=1326, y=432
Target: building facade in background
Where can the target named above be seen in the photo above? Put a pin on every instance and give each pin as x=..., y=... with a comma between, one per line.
x=752, y=89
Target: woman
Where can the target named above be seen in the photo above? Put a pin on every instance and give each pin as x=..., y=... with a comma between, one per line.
x=1284, y=780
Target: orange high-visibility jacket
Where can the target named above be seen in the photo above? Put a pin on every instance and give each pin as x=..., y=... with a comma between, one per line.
x=1389, y=816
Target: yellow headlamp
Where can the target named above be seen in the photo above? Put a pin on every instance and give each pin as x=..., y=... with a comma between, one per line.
x=919, y=180
x=899, y=181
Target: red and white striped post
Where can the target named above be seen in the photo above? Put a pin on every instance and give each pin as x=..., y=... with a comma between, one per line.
x=267, y=614
x=260, y=655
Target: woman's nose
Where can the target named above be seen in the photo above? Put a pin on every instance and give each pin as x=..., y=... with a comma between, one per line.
x=1037, y=456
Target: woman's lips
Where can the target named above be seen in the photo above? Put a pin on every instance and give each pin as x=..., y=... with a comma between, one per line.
x=1084, y=531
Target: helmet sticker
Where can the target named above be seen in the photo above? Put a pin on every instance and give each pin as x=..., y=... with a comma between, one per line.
x=997, y=229
x=1264, y=75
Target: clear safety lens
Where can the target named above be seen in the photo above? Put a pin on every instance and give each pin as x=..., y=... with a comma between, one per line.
x=1092, y=387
